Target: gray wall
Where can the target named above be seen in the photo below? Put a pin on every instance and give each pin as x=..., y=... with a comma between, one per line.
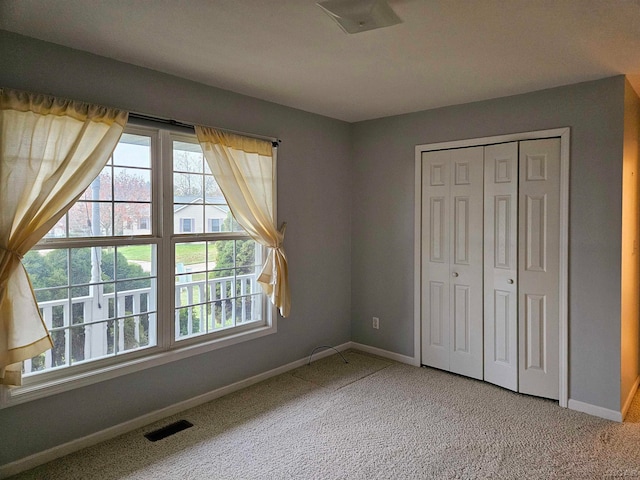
x=314, y=181
x=383, y=226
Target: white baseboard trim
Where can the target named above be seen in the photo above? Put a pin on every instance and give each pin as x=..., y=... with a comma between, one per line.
x=386, y=354
x=632, y=393
x=595, y=410
x=58, y=451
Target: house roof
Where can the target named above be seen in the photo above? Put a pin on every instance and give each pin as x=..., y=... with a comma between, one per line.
x=182, y=202
x=444, y=52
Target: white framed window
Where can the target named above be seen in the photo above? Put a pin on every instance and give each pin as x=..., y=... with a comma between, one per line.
x=94, y=279
x=219, y=292
x=129, y=278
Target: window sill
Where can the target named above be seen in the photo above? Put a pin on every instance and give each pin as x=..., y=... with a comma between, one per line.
x=10, y=396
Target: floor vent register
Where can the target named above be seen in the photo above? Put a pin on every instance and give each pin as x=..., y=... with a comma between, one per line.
x=169, y=430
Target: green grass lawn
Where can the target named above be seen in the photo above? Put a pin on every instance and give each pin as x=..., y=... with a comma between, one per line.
x=186, y=253
x=190, y=253
x=140, y=253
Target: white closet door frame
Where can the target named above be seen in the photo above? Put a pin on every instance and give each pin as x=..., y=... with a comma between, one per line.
x=563, y=337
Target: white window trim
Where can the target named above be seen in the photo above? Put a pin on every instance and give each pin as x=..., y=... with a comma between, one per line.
x=167, y=349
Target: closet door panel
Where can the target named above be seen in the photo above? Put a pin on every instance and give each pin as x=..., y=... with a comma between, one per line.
x=501, y=265
x=466, y=298
x=461, y=319
x=437, y=330
x=435, y=273
x=538, y=293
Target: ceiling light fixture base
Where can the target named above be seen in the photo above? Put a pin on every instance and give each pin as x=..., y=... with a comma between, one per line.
x=356, y=16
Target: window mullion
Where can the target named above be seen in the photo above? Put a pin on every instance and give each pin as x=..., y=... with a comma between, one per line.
x=157, y=231
x=68, y=318
x=167, y=258
x=112, y=172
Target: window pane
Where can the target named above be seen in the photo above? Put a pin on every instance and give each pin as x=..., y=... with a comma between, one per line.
x=129, y=334
x=221, y=254
x=212, y=190
x=47, y=268
x=244, y=285
x=101, y=187
x=90, y=219
x=135, y=261
x=133, y=150
x=90, y=264
x=59, y=230
x=189, y=256
x=214, y=225
x=249, y=309
x=191, y=321
x=59, y=353
x=49, y=294
x=132, y=184
x=246, y=256
x=188, y=188
x=133, y=218
x=79, y=337
x=207, y=170
x=189, y=219
x=144, y=224
x=229, y=223
x=223, y=310
x=55, y=316
x=129, y=217
x=188, y=157
x=190, y=293
x=148, y=324
x=79, y=216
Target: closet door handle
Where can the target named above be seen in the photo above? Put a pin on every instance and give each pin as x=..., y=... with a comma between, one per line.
x=454, y=274
x=510, y=281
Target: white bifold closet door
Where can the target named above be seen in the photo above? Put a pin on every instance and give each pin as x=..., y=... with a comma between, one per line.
x=490, y=263
x=539, y=268
x=452, y=186
x=521, y=266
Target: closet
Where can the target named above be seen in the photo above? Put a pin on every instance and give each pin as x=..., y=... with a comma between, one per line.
x=490, y=263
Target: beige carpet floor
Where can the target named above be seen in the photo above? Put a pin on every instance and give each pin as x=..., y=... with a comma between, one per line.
x=368, y=419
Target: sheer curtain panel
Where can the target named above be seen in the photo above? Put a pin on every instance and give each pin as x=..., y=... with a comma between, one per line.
x=244, y=170
x=50, y=151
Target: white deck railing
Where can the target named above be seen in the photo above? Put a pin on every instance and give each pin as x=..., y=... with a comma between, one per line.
x=205, y=312
x=224, y=312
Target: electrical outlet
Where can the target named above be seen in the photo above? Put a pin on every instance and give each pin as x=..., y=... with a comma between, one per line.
x=376, y=323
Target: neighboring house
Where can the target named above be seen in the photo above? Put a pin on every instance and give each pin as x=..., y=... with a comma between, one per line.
x=191, y=214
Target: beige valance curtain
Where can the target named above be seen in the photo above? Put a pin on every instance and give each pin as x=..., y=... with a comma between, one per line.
x=50, y=151
x=244, y=170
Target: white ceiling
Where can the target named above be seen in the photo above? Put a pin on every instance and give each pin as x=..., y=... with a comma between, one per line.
x=288, y=51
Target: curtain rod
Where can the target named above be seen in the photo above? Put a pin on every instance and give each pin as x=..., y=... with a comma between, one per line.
x=178, y=123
